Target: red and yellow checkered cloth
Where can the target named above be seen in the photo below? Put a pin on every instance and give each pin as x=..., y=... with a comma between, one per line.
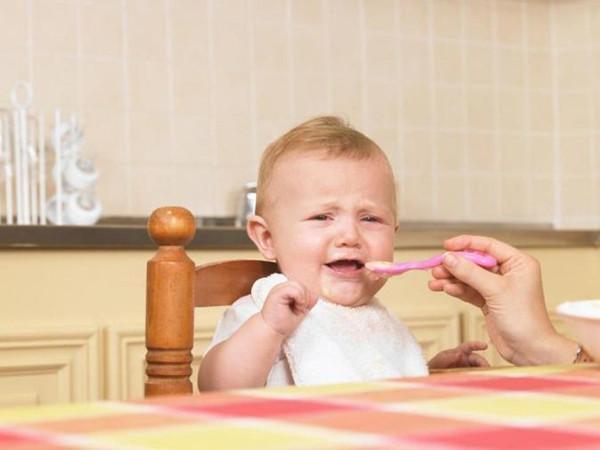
x=516, y=408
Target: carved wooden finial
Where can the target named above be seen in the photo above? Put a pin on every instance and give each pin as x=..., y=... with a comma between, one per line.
x=171, y=225
x=170, y=303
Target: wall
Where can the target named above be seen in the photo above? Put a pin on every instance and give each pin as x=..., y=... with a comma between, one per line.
x=489, y=109
x=576, y=48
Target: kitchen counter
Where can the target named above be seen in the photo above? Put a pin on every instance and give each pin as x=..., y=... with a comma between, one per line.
x=220, y=233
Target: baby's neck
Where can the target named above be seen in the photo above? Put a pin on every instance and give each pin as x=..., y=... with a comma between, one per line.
x=331, y=303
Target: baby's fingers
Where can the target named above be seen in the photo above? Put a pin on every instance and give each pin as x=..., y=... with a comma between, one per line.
x=472, y=346
x=308, y=301
x=303, y=300
x=476, y=360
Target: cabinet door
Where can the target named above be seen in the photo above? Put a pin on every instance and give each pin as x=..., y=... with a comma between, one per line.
x=475, y=330
x=125, y=350
x=125, y=371
x=474, y=326
x=434, y=331
x=49, y=365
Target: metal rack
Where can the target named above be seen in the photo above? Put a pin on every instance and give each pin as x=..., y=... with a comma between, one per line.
x=34, y=162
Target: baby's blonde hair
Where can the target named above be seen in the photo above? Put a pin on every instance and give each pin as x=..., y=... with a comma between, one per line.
x=330, y=134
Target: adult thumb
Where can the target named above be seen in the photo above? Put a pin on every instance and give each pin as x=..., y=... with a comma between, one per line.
x=470, y=273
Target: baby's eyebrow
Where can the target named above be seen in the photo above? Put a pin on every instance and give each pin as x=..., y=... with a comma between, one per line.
x=374, y=207
x=365, y=208
x=328, y=206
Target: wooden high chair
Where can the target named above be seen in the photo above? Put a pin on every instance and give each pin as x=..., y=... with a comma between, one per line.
x=174, y=286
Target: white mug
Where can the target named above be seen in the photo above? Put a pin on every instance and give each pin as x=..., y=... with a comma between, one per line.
x=80, y=173
x=83, y=209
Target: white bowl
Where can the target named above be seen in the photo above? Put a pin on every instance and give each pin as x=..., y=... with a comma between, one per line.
x=583, y=318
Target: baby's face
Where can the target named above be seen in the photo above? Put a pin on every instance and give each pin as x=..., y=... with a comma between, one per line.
x=327, y=218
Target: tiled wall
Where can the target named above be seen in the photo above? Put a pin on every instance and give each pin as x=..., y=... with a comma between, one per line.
x=576, y=44
x=489, y=110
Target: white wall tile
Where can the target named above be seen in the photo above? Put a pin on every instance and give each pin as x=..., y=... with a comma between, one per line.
x=459, y=93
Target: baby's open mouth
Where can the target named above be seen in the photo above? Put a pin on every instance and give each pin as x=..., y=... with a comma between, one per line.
x=345, y=265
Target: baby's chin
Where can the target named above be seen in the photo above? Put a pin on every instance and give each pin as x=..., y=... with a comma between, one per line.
x=344, y=297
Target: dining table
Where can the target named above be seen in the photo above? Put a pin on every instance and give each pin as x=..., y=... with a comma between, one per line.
x=540, y=407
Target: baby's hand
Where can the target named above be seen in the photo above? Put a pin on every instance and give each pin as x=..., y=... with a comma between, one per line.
x=461, y=356
x=286, y=305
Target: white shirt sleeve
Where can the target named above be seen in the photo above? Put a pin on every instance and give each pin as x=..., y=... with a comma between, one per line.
x=233, y=318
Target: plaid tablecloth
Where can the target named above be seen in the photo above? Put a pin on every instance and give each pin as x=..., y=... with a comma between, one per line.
x=517, y=408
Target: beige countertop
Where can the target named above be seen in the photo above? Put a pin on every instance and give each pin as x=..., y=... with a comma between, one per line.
x=130, y=233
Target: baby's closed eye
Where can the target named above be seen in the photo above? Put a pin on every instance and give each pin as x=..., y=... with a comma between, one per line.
x=371, y=218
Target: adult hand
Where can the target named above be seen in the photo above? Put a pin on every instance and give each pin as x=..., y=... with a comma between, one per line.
x=510, y=296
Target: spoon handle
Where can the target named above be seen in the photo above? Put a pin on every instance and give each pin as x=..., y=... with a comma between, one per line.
x=397, y=268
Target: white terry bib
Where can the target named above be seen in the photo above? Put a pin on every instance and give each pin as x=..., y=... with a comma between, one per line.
x=336, y=344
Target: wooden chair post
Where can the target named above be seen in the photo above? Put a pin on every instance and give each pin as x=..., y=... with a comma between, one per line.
x=170, y=303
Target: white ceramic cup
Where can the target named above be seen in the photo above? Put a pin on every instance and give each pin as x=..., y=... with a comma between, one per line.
x=83, y=209
x=80, y=173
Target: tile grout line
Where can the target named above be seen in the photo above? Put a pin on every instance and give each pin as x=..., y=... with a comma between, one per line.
x=253, y=77
x=468, y=207
x=496, y=105
x=593, y=120
x=557, y=219
x=168, y=22
x=212, y=100
x=30, y=44
x=528, y=126
x=290, y=55
x=434, y=207
x=399, y=156
x=363, y=65
x=127, y=116
x=79, y=62
x=326, y=13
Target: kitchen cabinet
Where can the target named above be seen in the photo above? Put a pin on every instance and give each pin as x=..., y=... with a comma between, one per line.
x=72, y=321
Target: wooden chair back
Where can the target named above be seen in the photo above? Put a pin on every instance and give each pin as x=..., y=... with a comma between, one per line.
x=174, y=286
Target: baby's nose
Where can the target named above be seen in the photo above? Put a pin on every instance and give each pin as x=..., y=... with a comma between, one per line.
x=348, y=235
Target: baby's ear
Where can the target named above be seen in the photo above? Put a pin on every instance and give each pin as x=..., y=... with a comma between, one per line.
x=258, y=230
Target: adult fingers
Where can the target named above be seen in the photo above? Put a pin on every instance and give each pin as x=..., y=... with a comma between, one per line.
x=498, y=249
x=457, y=289
x=440, y=272
x=436, y=285
x=464, y=292
x=483, y=281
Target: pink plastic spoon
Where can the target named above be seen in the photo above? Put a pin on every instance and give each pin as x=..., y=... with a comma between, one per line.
x=397, y=268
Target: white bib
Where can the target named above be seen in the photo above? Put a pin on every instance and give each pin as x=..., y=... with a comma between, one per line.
x=336, y=344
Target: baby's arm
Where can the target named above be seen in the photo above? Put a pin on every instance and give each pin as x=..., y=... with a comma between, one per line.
x=461, y=356
x=246, y=358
